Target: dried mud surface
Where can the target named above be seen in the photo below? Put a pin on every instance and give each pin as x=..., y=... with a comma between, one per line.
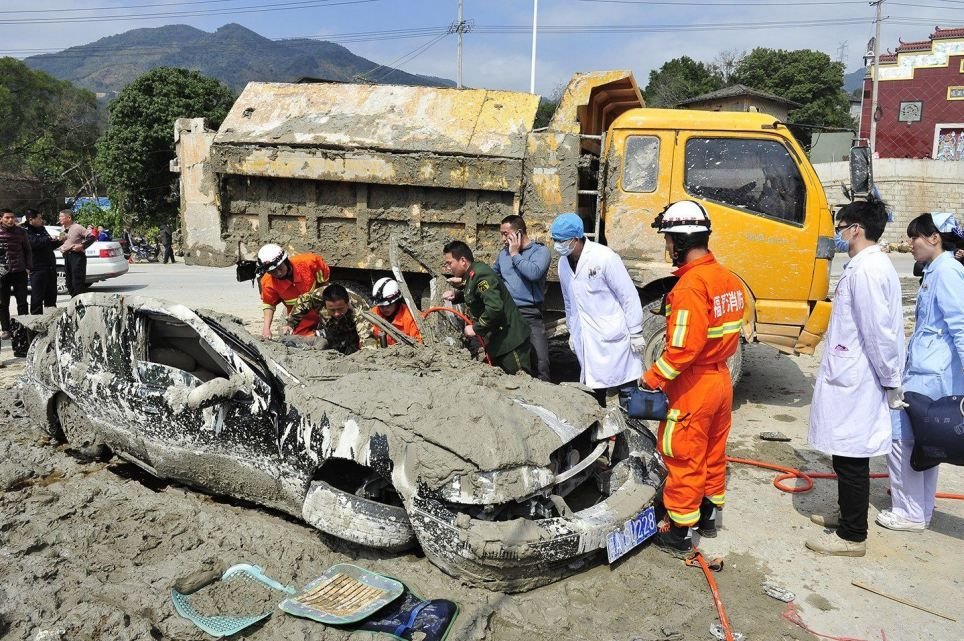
x=90, y=550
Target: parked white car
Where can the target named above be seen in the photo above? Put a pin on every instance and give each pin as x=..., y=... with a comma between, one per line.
x=105, y=259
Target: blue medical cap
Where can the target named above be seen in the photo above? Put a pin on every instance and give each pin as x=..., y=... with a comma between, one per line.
x=567, y=227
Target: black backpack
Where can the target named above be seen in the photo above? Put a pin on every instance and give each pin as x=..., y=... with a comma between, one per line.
x=938, y=430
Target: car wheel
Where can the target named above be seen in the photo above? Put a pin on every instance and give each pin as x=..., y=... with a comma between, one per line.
x=77, y=430
x=654, y=329
x=61, y=281
x=357, y=519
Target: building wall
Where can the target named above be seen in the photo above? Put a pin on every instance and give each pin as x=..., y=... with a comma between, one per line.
x=907, y=81
x=910, y=188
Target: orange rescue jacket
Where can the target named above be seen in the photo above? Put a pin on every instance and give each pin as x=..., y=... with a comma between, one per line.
x=308, y=271
x=402, y=320
x=704, y=318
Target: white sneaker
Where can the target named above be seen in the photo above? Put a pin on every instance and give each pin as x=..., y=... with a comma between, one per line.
x=891, y=521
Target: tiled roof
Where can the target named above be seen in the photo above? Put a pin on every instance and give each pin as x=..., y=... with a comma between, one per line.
x=956, y=32
x=734, y=91
x=920, y=45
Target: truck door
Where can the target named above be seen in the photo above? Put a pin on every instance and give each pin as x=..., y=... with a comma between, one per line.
x=757, y=199
x=642, y=162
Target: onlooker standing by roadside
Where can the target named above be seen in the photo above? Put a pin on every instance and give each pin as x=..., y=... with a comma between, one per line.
x=935, y=363
x=75, y=240
x=523, y=264
x=43, y=274
x=17, y=260
x=127, y=241
x=858, y=382
x=165, y=238
x=603, y=312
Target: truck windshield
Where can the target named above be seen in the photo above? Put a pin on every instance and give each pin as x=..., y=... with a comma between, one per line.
x=759, y=176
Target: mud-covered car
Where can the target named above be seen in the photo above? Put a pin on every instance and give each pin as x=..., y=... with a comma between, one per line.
x=504, y=481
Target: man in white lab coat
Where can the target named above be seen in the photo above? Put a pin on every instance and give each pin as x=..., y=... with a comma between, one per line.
x=860, y=375
x=603, y=312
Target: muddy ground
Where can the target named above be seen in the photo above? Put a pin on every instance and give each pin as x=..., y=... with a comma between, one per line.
x=90, y=550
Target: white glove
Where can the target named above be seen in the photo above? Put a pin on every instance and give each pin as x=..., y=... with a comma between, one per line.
x=895, y=398
x=637, y=342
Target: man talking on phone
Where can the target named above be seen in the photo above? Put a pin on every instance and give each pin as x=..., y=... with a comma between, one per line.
x=523, y=264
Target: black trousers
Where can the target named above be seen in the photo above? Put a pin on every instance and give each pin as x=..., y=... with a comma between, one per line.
x=168, y=253
x=14, y=283
x=75, y=268
x=537, y=336
x=43, y=289
x=853, y=496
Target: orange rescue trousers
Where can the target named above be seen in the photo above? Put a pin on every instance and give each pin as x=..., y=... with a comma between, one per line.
x=692, y=440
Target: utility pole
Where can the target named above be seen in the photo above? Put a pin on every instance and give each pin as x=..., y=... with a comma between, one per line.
x=459, y=27
x=535, y=21
x=876, y=79
x=842, y=53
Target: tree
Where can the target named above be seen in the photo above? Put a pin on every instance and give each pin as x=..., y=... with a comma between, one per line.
x=48, y=129
x=805, y=76
x=678, y=80
x=134, y=155
x=725, y=64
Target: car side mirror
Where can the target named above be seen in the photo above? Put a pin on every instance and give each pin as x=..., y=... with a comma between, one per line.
x=215, y=391
x=861, y=172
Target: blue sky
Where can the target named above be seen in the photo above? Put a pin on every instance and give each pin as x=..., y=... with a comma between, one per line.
x=492, y=57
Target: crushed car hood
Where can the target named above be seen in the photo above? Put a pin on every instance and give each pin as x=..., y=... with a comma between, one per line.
x=452, y=425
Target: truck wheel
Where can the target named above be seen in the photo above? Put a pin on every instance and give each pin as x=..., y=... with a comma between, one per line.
x=61, y=280
x=654, y=329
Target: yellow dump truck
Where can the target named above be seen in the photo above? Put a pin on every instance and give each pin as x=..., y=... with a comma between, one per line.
x=340, y=168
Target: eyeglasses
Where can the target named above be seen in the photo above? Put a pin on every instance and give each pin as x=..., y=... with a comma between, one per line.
x=847, y=226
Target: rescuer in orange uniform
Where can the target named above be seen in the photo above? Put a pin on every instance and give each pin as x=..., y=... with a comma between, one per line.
x=285, y=280
x=704, y=318
x=389, y=306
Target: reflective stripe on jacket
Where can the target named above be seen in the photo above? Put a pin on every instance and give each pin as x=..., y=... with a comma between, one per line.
x=705, y=316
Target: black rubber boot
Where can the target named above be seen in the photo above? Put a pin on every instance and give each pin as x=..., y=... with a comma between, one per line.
x=674, y=541
x=707, y=524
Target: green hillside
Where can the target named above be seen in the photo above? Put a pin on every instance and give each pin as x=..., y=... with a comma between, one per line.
x=233, y=54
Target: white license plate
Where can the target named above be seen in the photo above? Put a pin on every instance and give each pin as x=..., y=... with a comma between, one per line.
x=635, y=531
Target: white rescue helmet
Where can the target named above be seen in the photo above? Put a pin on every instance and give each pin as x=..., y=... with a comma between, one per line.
x=270, y=256
x=683, y=217
x=385, y=292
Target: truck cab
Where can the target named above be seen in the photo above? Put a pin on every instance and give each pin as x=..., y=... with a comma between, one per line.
x=771, y=222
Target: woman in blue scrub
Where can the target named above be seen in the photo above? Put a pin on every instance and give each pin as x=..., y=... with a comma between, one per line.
x=935, y=362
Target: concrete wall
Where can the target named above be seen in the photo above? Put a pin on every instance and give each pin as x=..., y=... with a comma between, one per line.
x=910, y=187
x=200, y=198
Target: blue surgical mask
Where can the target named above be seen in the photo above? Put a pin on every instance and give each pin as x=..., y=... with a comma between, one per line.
x=839, y=243
x=563, y=248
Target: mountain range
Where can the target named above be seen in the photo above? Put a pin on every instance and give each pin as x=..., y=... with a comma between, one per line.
x=233, y=54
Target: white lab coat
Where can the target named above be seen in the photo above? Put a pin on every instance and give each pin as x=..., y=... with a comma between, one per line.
x=863, y=354
x=602, y=310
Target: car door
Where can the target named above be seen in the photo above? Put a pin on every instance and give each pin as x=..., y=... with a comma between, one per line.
x=225, y=444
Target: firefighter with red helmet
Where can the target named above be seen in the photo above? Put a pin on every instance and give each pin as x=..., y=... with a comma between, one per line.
x=704, y=320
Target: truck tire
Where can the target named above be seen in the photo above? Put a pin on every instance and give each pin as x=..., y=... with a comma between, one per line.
x=654, y=329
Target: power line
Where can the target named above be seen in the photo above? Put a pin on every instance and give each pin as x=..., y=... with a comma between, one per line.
x=117, y=7
x=262, y=8
x=764, y=3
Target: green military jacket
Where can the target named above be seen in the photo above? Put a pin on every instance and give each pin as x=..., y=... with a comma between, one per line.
x=495, y=317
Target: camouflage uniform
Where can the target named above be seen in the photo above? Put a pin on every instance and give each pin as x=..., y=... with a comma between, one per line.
x=347, y=334
x=496, y=319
